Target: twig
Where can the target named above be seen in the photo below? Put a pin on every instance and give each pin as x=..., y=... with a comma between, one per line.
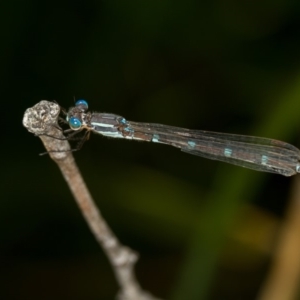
x=41, y=120
x=282, y=282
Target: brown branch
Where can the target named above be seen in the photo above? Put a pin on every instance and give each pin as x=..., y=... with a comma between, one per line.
x=41, y=120
x=282, y=282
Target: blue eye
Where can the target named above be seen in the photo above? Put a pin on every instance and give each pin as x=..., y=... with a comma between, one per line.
x=74, y=123
x=82, y=103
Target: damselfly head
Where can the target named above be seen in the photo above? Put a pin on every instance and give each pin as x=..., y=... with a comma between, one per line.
x=76, y=114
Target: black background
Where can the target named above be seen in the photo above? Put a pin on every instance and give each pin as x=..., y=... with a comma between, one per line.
x=215, y=65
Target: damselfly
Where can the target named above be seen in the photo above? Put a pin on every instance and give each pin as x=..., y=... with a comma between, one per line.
x=261, y=154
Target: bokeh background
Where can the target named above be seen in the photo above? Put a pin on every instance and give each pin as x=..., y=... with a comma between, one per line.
x=204, y=229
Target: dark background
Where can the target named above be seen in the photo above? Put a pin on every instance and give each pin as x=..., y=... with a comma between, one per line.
x=226, y=66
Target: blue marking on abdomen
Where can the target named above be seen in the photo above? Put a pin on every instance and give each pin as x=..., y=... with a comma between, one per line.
x=191, y=144
x=227, y=152
x=264, y=159
x=155, y=138
x=128, y=129
x=123, y=121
